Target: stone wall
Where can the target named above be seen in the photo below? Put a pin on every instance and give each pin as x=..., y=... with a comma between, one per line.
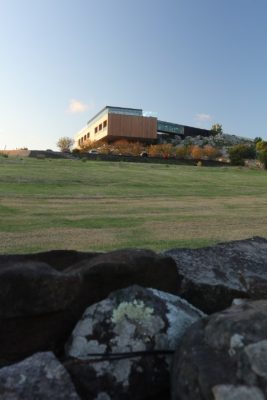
x=132, y=324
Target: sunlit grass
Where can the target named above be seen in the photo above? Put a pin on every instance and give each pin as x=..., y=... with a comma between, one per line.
x=49, y=204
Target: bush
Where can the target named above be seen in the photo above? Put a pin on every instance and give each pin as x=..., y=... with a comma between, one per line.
x=181, y=152
x=196, y=152
x=263, y=158
x=5, y=155
x=153, y=150
x=210, y=152
x=121, y=146
x=240, y=152
x=236, y=159
x=261, y=145
x=164, y=150
x=87, y=145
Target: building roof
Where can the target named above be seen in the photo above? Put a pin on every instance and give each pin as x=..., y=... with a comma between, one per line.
x=117, y=110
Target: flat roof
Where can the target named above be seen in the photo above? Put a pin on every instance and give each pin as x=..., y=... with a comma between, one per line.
x=132, y=111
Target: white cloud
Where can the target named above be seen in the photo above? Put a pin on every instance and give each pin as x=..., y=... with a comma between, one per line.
x=76, y=106
x=203, y=117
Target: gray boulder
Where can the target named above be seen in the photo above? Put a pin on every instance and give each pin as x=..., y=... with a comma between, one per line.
x=210, y=278
x=224, y=356
x=122, y=346
x=40, y=377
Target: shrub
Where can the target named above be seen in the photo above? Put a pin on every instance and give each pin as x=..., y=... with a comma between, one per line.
x=136, y=148
x=181, y=152
x=210, y=152
x=261, y=145
x=105, y=149
x=263, y=158
x=5, y=155
x=121, y=146
x=196, y=152
x=240, y=152
x=164, y=150
x=87, y=145
x=153, y=150
x=236, y=159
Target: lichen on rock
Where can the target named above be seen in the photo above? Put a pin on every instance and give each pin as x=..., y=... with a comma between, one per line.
x=132, y=310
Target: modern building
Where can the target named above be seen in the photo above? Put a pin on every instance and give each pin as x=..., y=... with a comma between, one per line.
x=114, y=123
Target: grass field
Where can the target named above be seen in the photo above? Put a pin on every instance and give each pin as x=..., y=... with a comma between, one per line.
x=69, y=204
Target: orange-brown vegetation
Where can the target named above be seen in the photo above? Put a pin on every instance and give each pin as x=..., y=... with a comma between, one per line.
x=164, y=150
x=196, y=152
x=210, y=152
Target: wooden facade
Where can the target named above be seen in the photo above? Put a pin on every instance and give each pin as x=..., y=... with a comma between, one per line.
x=131, y=127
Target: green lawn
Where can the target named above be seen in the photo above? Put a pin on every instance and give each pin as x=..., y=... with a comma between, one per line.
x=71, y=204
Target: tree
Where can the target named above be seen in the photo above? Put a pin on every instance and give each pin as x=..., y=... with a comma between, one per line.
x=65, y=143
x=217, y=129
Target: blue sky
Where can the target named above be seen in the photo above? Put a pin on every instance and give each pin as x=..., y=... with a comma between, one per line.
x=194, y=62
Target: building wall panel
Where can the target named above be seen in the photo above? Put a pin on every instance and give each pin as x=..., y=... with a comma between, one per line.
x=132, y=127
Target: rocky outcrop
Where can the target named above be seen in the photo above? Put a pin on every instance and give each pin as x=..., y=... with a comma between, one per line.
x=224, y=356
x=40, y=377
x=131, y=334
x=210, y=278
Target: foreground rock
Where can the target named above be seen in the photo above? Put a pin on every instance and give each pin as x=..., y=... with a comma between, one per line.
x=121, y=347
x=39, y=377
x=210, y=278
x=35, y=309
x=40, y=303
x=57, y=259
x=224, y=356
x=30, y=288
x=121, y=268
